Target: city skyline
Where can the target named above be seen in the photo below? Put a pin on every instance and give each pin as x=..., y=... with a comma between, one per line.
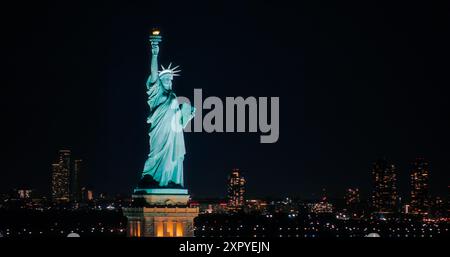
x=383, y=214
x=382, y=195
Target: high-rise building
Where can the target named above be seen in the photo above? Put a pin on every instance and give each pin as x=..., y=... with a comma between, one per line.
x=352, y=198
x=236, y=190
x=61, y=177
x=75, y=176
x=323, y=206
x=66, y=181
x=419, y=186
x=384, y=198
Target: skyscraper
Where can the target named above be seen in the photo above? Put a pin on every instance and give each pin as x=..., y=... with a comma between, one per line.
x=75, y=176
x=323, y=206
x=352, y=199
x=236, y=190
x=419, y=187
x=384, y=198
x=61, y=177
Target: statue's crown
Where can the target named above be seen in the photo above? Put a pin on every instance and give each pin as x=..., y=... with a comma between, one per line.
x=173, y=71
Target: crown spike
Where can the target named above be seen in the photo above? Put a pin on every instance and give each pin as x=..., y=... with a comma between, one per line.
x=171, y=70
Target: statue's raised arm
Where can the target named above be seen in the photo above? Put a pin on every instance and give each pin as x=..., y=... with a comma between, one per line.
x=153, y=66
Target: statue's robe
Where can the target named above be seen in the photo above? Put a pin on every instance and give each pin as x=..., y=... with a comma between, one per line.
x=167, y=149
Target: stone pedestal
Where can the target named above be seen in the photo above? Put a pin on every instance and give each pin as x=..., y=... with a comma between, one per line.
x=160, y=213
x=160, y=222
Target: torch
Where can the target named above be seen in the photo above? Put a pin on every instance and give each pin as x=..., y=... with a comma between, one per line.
x=155, y=37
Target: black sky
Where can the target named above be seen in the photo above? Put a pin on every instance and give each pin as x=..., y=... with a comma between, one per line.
x=356, y=82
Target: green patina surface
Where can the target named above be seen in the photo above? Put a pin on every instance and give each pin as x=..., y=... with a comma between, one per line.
x=167, y=120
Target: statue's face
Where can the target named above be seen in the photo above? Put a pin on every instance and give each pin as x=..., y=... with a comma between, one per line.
x=167, y=81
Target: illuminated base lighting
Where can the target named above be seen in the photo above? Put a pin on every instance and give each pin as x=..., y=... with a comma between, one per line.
x=160, y=222
x=163, y=214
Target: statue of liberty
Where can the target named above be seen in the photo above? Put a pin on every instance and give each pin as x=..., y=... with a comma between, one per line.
x=164, y=165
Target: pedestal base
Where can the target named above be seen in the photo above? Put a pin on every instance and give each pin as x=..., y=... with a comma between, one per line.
x=160, y=212
x=160, y=222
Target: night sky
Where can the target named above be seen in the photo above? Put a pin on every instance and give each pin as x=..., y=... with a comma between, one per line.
x=356, y=82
